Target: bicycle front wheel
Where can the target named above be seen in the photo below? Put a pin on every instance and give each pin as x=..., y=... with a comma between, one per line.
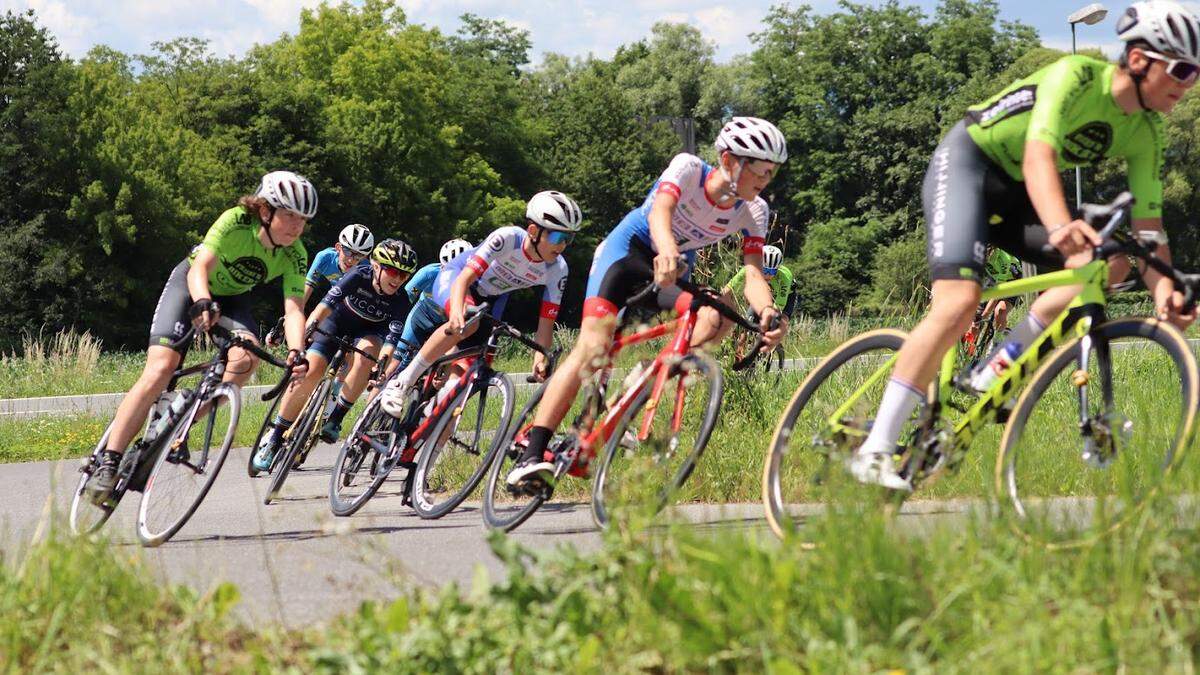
x=86, y=515
x=1073, y=474
x=453, y=459
x=191, y=457
x=303, y=437
x=650, y=456
x=804, y=464
x=361, y=468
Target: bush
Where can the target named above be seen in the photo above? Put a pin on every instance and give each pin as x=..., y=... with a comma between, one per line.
x=899, y=276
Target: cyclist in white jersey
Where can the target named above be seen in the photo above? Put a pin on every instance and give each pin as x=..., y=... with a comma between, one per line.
x=509, y=259
x=690, y=206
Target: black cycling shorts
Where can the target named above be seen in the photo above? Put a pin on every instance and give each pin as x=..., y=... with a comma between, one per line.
x=171, y=319
x=970, y=202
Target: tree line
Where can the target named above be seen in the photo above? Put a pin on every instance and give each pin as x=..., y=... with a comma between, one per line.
x=115, y=164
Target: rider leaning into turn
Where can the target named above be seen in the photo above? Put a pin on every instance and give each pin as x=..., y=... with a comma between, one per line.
x=250, y=244
x=366, y=304
x=1004, y=160
x=778, y=276
x=509, y=259
x=692, y=205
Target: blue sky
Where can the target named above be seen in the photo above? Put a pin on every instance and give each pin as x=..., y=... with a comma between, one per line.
x=573, y=27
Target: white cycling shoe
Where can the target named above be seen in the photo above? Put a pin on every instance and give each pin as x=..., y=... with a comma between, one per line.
x=394, y=400
x=528, y=469
x=877, y=469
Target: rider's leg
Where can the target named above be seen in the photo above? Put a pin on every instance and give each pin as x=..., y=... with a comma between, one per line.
x=161, y=363
x=950, y=314
x=356, y=381
x=437, y=346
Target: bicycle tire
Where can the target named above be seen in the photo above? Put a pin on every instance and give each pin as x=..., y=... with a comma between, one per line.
x=1154, y=415
x=303, y=437
x=81, y=519
x=883, y=341
x=503, y=457
x=262, y=429
x=691, y=364
x=348, y=466
x=432, y=454
x=210, y=464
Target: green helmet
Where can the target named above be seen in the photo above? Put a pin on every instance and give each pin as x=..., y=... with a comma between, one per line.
x=396, y=254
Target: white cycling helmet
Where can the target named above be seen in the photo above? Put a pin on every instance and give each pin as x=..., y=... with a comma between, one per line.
x=1169, y=27
x=452, y=249
x=553, y=210
x=357, y=238
x=772, y=257
x=753, y=138
x=291, y=191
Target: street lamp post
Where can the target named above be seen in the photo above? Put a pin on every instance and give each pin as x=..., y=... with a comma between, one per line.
x=1090, y=15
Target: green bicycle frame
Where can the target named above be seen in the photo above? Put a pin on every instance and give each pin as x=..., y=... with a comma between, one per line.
x=1074, y=322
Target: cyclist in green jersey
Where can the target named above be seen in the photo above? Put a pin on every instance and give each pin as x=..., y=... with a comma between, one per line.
x=1002, y=165
x=1000, y=267
x=778, y=276
x=250, y=244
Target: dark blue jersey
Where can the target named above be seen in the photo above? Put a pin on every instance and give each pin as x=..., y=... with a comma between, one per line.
x=354, y=299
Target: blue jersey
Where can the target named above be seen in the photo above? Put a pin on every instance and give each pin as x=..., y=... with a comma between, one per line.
x=325, y=267
x=354, y=300
x=421, y=285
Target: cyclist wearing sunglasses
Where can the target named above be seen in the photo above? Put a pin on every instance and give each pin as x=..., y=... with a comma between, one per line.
x=691, y=206
x=995, y=179
x=509, y=259
x=366, y=304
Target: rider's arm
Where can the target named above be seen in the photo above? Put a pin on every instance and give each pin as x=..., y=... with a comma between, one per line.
x=197, y=278
x=293, y=323
x=458, y=292
x=318, y=315
x=1160, y=287
x=660, y=230
x=1044, y=184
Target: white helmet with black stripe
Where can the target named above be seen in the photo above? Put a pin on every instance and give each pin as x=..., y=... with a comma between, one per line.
x=291, y=191
x=1166, y=26
x=452, y=249
x=553, y=210
x=357, y=238
x=753, y=138
x=772, y=257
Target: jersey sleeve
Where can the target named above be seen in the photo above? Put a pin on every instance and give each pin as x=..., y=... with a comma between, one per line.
x=293, y=272
x=738, y=281
x=422, y=281
x=495, y=243
x=782, y=287
x=683, y=170
x=754, y=233
x=221, y=228
x=556, y=284
x=1145, y=169
x=320, y=264
x=396, y=323
x=1062, y=82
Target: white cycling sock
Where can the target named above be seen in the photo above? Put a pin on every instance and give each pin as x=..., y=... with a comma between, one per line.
x=410, y=374
x=1026, y=331
x=899, y=400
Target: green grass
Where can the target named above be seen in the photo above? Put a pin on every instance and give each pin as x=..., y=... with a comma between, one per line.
x=866, y=598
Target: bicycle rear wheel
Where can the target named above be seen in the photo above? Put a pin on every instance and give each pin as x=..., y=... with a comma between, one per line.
x=453, y=459
x=1069, y=483
x=303, y=437
x=359, y=470
x=503, y=509
x=191, y=457
x=646, y=468
x=804, y=470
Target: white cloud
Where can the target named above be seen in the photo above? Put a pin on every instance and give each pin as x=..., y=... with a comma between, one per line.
x=72, y=30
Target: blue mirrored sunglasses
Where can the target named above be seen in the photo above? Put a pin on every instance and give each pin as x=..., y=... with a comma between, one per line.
x=557, y=237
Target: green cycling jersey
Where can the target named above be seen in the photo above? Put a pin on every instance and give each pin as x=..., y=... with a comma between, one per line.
x=243, y=262
x=781, y=284
x=1069, y=105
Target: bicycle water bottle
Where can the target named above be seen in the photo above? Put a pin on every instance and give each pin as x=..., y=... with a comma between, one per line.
x=173, y=410
x=985, y=377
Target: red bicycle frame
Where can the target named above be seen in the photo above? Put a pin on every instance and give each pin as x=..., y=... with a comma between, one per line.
x=659, y=369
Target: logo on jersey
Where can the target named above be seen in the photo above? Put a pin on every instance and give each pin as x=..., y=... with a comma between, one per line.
x=247, y=271
x=496, y=243
x=1013, y=103
x=1089, y=143
x=562, y=283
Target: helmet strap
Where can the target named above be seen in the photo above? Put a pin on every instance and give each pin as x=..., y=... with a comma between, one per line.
x=537, y=241
x=267, y=227
x=1137, y=86
x=731, y=190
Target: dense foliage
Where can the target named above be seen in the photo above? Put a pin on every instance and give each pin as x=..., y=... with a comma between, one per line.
x=115, y=164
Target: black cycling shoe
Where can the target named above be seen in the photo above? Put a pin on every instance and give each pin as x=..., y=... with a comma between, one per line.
x=104, y=477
